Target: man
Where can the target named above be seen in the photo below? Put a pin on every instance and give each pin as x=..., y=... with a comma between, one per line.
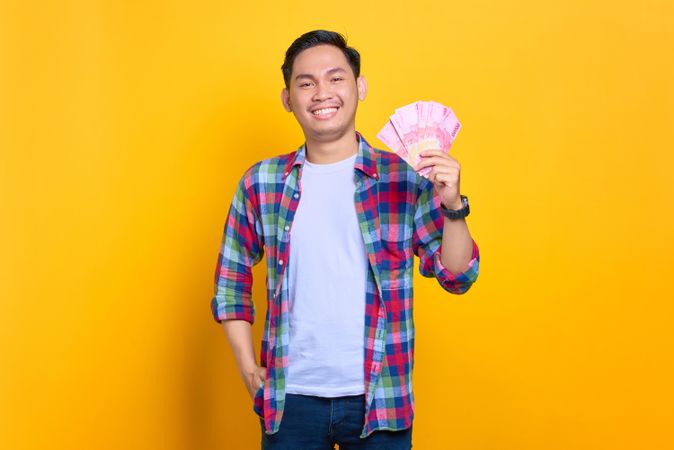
x=340, y=223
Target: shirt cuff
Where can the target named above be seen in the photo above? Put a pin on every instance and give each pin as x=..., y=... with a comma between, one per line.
x=460, y=282
x=225, y=311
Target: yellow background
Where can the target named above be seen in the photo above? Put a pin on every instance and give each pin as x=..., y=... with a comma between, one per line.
x=126, y=124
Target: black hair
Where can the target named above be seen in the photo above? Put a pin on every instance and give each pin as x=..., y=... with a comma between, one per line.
x=312, y=39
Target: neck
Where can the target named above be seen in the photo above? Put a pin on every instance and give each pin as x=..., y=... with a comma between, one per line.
x=326, y=152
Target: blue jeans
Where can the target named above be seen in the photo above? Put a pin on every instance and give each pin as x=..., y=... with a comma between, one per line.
x=318, y=423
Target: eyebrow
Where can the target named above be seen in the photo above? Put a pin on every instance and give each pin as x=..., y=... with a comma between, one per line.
x=307, y=75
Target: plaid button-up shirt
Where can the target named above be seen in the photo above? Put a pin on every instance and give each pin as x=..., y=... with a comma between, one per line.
x=399, y=216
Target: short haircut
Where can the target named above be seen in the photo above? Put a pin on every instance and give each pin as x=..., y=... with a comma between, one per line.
x=312, y=39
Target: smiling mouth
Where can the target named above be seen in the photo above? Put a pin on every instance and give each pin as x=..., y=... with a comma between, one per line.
x=325, y=112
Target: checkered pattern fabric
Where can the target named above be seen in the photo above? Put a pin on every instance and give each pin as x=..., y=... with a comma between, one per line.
x=399, y=216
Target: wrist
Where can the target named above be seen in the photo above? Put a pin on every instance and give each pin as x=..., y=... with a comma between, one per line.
x=456, y=204
x=456, y=212
x=247, y=370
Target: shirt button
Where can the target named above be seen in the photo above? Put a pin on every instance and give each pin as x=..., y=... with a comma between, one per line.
x=287, y=227
x=296, y=195
x=280, y=261
x=285, y=173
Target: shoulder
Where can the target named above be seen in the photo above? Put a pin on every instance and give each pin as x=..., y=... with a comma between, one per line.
x=394, y=169
x=268, y=170
x=390, y=163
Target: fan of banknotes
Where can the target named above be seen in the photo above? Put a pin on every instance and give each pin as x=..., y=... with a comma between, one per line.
x=420, y=126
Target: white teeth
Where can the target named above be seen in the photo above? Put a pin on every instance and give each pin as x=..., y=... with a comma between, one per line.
x=324, y=111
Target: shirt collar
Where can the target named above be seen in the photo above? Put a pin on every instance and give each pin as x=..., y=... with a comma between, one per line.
x=366, y=160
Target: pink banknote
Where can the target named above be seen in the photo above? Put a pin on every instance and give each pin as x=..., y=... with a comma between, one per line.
x=422, y=125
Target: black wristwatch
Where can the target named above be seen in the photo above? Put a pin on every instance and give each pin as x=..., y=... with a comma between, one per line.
x=456, y=213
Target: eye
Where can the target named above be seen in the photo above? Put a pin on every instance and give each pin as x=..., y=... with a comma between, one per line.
x=304, y=84
x=337, y=78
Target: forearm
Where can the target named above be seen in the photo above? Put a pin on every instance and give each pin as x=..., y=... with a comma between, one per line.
x=457, y=245
x=240, y=336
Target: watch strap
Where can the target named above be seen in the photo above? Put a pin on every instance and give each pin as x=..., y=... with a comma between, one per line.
x=454, y=214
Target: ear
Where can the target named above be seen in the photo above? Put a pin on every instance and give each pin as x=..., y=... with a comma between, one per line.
x=285, y=99
x=362, y=87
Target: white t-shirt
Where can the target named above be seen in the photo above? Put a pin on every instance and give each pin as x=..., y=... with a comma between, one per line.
x=327, y=282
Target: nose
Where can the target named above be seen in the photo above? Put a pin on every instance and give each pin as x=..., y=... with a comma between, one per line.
x=322, y=92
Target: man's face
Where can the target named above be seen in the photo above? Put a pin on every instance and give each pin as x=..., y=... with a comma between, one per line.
x=323, y=93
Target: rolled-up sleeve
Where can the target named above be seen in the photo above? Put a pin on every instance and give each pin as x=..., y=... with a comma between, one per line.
x=427, y=243
x=242, y=247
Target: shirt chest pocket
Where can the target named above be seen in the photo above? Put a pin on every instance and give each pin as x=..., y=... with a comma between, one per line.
x=397, y=257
